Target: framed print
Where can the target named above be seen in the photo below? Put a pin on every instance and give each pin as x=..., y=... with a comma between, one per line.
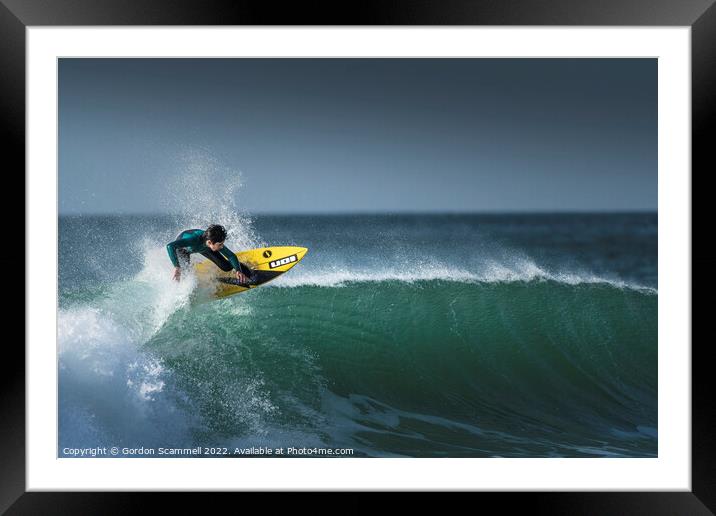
x=418, y=253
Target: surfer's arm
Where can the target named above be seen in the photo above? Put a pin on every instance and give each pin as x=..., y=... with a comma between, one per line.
x=188, y=239
x=172, y=251
x=229, y=255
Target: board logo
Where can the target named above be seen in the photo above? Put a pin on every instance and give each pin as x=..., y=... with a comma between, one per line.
x=267, y=253
x=283, y=261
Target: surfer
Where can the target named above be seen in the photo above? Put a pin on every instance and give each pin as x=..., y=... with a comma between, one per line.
x=210, y=244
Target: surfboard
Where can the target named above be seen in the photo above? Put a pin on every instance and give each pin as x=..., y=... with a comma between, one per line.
x=266, y=263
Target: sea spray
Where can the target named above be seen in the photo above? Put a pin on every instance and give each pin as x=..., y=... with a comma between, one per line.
x=205, y=191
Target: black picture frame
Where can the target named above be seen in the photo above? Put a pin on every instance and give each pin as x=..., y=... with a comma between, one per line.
x=16, y=15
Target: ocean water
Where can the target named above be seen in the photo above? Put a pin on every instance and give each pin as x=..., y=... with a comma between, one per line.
x=530, y=335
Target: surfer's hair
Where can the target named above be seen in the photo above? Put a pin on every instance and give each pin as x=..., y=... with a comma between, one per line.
x=215, y=233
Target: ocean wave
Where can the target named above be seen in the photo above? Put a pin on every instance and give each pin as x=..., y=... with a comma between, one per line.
x=507, y=358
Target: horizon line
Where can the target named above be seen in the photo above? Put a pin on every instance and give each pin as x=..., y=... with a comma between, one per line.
x=366, y=212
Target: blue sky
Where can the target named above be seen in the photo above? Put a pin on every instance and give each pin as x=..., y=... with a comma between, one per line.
x=359, y=135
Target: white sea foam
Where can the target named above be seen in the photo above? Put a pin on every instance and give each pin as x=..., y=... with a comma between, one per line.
x=107, y=379
x=490, y=271
x=94, y=348
x=109, y=386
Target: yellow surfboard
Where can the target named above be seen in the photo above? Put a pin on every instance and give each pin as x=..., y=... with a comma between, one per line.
x=266, y=264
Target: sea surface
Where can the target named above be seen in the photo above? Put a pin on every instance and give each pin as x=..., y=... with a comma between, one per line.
x=420, y=335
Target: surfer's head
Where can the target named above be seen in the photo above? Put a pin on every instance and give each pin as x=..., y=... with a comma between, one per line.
x=214, y=236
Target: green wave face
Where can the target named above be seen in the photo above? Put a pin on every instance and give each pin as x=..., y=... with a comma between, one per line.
x=425, y=368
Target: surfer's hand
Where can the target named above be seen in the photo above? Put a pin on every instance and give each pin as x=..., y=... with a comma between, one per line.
x=177, y=274
x=241, y=277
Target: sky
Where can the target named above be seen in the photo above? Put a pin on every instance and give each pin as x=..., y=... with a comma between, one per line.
x=358, y=135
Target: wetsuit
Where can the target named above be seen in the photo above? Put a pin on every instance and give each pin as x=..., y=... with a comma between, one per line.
x=192, y=241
